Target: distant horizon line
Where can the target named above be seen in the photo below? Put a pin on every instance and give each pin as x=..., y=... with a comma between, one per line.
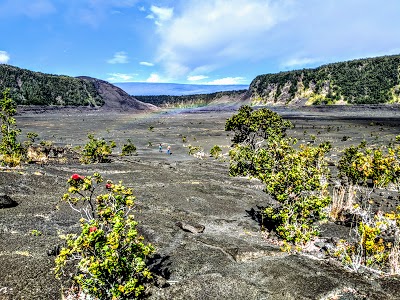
x=121, y=82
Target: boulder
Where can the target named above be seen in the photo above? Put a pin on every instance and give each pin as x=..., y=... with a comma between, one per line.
x=7, y=202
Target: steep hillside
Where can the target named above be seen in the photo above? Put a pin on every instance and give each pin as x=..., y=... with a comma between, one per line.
x=362, y=81
x=35, y=88
x=227, y=97
x=114, y=97
x=175, y=89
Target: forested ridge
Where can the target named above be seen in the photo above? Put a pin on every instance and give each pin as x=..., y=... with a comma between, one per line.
x=35, y=88
x=187, y=100
x=362, y=81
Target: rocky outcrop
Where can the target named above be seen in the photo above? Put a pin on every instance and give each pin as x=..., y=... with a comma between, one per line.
x=363, y=81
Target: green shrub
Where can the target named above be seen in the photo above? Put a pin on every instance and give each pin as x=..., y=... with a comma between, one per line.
x=31, y=136
x=215, y=151
x=361, y=164
x=128, y=149
x=299, y=182
x=194, y=149
x=36, y=232
x=11, y=150
x=296, y=179
x=47, y=144
x=108, y=256
x=96, y=150
x=368, y=248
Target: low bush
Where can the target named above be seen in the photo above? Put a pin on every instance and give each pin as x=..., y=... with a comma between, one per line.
x=299, y=182
x=375, y=246
x=194, y=149
x=96, y=150
x=11, y=151
x=108, y=256
x=128, y=149
x=295, y=178
x=216, y=151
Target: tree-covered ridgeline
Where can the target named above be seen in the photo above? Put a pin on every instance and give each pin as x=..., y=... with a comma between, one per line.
x=362, y=81
x=34, y=88
x=187, y=100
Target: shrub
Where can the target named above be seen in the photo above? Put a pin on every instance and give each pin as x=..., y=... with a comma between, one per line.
x=31, y=136
x=256, y=133
x=253, y=127
x=215, y=151
x=108, y=256
x=128, y=149
x=369, y=249
x=364, y=168
x=361, y=164
x=12, y=152
x=96, y=150
x=194, y=149
x=299, y=182
x=35, y=232
x=296, y=179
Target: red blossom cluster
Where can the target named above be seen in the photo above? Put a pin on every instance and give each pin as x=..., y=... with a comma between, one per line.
x=77, y=177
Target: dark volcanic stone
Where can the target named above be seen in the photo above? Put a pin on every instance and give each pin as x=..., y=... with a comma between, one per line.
x=7, y=202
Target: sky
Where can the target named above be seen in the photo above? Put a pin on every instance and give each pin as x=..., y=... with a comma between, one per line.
x=192, y=41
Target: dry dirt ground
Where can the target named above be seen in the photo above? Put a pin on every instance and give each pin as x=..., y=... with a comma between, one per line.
x=231, y=259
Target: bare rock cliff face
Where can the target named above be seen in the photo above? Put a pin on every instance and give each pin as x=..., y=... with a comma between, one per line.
x=116, y=98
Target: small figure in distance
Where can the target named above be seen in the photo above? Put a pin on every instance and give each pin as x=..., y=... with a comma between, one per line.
x=169, y=150
x=160, y=148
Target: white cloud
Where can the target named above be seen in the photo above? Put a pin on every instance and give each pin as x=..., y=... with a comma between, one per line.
x=216, y=33
x=4, y=57
x=196, y=77
x=299, y=62
x=228, y=80
x=119, y=58
x=154, y=77
x=160, y=14
x=147, y=64
x=120, y=77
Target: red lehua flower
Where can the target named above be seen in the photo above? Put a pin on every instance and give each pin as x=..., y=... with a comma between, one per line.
x=108, y=186
x=75, y=177
x=92, y=229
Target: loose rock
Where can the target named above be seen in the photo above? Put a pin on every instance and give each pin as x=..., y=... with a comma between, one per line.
x=7, y=202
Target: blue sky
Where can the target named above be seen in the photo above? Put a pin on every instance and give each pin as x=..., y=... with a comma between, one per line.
x=192, y=41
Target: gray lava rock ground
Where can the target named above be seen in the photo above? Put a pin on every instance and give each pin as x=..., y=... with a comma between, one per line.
x=202, y=222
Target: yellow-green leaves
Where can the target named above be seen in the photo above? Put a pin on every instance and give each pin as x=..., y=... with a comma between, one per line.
x=109, y=256
x=296, y=178
x=96, y=150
